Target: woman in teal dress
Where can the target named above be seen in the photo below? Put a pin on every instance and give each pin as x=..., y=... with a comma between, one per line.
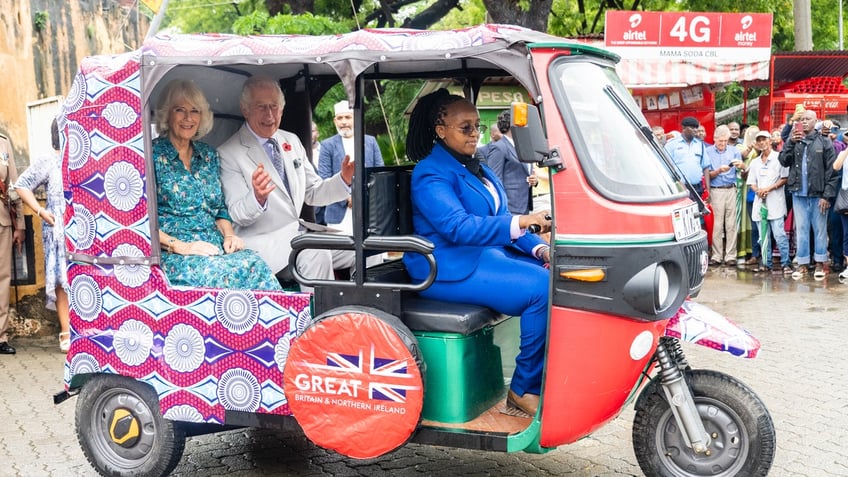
x=196, y=233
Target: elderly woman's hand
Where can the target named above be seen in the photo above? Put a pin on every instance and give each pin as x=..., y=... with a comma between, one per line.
x=198, y=247
x=233, y=243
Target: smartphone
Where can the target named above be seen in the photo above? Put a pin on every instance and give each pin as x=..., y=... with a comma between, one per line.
x=798, y=127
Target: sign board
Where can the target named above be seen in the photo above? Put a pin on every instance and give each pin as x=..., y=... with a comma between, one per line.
x=718, y=37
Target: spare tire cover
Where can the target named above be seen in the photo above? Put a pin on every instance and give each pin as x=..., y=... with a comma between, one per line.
x=354, y=382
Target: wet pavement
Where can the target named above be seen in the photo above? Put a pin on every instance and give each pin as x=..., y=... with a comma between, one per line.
x=800, y=375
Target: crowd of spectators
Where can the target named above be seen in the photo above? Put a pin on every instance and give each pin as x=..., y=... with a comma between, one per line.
x=745, y=171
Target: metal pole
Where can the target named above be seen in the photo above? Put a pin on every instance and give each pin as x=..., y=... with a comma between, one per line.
x=157, y=20
x=15, y=264
x=840, y=25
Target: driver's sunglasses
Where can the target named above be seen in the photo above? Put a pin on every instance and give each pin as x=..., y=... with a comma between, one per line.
x=468, y=129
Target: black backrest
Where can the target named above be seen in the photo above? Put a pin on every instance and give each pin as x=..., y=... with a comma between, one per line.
x=388, y=208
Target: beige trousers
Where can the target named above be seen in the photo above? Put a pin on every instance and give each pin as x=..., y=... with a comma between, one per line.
x=6, y=233
x=724, y=224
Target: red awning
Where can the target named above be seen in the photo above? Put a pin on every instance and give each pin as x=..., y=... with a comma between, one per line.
x=644, y=73
x=653, y=73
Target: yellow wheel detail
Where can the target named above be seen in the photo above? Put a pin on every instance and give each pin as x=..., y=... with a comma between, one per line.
x=124, y=428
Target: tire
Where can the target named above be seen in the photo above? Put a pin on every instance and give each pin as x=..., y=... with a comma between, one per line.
x=740, y=427
x=147, y=444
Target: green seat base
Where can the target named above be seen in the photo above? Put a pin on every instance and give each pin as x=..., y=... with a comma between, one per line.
x=464, y=374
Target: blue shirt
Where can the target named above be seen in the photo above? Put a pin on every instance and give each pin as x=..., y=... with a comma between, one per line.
x=723, y=158
x=689, y=157
x=805, y=174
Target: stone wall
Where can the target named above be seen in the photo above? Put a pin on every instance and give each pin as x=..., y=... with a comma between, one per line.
x=43, y=44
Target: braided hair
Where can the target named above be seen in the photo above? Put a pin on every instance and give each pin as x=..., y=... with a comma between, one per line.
x=429, y=112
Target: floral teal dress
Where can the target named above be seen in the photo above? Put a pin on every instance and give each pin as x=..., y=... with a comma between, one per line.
x=189, y=205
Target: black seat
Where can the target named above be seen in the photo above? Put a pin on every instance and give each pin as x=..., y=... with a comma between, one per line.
x=422, y=314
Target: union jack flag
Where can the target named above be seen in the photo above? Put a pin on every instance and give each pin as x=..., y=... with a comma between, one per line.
x=386, y=377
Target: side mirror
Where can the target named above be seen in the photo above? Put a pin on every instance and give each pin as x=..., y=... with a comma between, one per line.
x=531, y=145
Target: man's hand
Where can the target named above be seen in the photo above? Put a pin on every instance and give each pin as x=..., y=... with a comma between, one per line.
x=262, y=185
x=823, y=205
x=347, y=170
x=19, y=236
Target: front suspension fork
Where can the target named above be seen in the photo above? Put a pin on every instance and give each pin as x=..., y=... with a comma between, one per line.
x=670, y=361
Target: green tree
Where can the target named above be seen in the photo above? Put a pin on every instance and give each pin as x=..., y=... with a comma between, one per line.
x=560, y=17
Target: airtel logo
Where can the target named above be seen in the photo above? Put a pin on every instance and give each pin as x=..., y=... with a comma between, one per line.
x=746, y=22
x=635, y=20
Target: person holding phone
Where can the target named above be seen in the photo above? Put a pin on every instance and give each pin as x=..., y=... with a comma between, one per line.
x=812, y=182
x=724, y=163
x=791, y=123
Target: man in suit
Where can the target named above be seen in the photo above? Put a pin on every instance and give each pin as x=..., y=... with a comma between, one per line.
x=267, y=178
x=333, y=152
x=10, y=231
x=517, y=177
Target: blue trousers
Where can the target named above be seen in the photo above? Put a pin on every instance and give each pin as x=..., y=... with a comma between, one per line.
x=513, y=284
x=779, y=233
x=807, y=215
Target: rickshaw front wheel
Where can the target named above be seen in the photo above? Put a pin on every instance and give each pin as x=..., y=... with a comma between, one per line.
x=740, y=427
x=121, y=430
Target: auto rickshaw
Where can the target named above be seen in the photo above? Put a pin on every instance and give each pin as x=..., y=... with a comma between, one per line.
x=365, y=365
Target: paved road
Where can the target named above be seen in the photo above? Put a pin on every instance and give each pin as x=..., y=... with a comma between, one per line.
x=800, y=376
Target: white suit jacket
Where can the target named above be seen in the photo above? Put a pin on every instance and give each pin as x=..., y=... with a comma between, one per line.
x=269, y=231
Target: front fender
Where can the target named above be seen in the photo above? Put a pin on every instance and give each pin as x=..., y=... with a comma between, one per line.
x=697, y=323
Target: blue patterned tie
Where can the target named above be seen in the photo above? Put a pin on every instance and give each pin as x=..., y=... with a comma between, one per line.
x=273, y=150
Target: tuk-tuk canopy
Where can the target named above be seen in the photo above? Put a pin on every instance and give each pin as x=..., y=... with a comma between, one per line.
x=379, y=51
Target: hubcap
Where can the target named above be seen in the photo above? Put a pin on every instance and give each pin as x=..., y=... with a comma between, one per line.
x=729, y=443
x=123, y=428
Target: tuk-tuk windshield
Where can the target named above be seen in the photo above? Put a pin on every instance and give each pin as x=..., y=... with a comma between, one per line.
x=609, y=133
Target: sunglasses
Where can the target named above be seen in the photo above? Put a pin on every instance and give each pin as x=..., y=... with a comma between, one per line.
x=468, y=129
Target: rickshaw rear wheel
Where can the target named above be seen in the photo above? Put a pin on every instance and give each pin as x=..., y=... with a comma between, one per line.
x=121, y=430
x=740, y=427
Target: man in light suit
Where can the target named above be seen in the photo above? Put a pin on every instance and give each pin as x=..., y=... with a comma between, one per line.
x=516, y=176
x=333, y=152
x=10, y=231
x=267, y=184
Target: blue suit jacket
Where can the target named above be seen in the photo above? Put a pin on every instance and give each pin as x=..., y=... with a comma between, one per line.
x=453, y=209
x=330, y=163
x=503, y=160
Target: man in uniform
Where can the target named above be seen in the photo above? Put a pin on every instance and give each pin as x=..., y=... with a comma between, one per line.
x=11, y=230
x=688, y=152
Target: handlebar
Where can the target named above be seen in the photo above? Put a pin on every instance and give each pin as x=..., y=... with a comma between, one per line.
x=400, y=243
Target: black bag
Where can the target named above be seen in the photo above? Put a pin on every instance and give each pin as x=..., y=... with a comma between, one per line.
x=841, y=205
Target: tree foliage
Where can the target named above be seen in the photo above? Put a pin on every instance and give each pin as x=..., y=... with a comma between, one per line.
x=564, y=18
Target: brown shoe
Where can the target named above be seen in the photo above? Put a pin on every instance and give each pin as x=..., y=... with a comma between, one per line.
x=528, y=403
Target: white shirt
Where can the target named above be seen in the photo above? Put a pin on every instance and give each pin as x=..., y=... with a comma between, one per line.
x=765, y=175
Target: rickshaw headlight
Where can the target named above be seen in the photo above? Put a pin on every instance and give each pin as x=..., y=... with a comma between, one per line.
x=661, y=287
x=654, y=288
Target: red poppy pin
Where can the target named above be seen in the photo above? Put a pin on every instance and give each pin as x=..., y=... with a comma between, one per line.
x=286, y=147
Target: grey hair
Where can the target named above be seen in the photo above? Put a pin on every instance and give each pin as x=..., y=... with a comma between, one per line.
x=256, y=82
x=721, y=132
x=182, y=89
